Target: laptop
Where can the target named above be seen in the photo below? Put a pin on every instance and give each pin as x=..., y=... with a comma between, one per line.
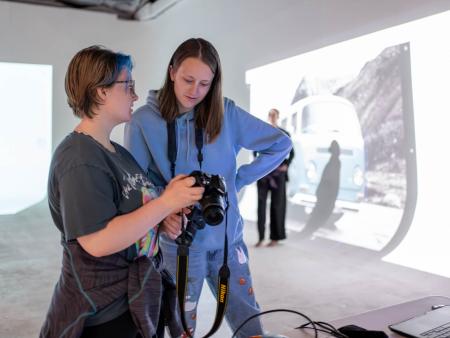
x=432, y=324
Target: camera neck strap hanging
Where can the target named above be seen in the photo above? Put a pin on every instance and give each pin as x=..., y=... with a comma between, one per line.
x=172, y=145
x=183, y=246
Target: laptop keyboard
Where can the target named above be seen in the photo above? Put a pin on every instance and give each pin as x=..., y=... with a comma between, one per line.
x=442, y=331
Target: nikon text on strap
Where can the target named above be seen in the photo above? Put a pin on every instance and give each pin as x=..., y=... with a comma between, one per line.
x=183, y=247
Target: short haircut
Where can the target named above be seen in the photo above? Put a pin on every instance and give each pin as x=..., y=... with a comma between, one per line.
x=91, y=68
x=277, y=112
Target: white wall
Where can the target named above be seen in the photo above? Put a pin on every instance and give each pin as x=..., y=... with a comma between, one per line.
x=246, y=33
x=48, y=35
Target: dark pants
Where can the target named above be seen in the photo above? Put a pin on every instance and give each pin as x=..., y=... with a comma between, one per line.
x=120, y=327
x=276, y=184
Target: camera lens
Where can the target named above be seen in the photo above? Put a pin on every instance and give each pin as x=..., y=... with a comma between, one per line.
x=212, y=205
x=213, y=215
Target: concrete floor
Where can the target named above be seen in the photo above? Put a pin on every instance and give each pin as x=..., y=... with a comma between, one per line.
x=321, y=278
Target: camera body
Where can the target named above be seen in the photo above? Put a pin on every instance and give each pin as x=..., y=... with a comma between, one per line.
x=210, y=209
x=212, y=204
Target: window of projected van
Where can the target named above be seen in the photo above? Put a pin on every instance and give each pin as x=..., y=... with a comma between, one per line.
x=25, y=134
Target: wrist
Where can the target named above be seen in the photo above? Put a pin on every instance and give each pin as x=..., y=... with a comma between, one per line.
x=164, y=204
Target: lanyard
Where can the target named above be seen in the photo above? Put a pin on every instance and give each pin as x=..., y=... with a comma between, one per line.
x=183, y=248
x=172, y=145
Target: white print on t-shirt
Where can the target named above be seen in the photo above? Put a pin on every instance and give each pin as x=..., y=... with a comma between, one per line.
x=134, y=182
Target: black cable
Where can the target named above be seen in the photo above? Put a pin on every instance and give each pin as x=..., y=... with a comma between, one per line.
x=320, y=330
x=278, y=310
x=327, y=327
x=323, y=325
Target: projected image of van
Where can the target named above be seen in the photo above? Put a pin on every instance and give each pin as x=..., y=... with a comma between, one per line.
x=369, y=121
x=349, y=111
x=316, y=121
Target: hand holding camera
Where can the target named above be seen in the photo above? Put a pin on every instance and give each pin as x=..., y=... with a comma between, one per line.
x=181, y=192
x=171, y=225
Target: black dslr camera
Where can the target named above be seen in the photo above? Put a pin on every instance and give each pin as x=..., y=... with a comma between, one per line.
x=210, y=209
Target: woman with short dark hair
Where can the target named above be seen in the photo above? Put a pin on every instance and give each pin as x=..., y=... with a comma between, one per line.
x=107, y=210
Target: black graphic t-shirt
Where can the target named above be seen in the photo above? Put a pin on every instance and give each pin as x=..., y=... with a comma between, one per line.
x=88, y=186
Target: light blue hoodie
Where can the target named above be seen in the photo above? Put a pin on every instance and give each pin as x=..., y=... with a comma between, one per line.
x=146, y=139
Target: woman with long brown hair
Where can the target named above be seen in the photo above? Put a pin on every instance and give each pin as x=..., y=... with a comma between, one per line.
x=208, y=132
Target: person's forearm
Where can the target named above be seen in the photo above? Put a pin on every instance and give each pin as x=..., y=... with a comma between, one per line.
x=124, y=230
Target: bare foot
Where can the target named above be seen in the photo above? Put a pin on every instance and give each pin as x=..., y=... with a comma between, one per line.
x=273, y=243
x=257, y=245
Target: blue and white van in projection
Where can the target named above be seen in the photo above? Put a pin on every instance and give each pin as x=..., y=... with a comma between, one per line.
x=314, y=122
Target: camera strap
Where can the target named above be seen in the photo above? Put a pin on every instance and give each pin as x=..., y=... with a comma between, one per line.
x=222, y=286
x=183, y=248
x=172, y=145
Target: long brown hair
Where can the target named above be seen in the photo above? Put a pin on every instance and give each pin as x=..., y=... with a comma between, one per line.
x=209, y=112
